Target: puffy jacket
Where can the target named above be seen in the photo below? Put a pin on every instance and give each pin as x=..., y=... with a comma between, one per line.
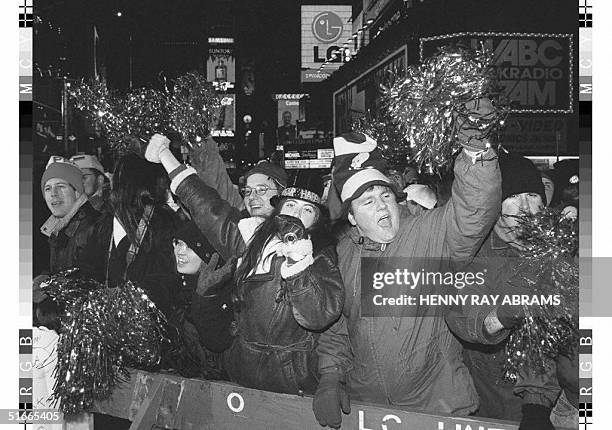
x=498, y=398
x=277, y=325
x=414, y=361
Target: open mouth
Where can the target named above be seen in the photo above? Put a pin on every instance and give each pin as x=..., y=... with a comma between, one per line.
x=385, y=221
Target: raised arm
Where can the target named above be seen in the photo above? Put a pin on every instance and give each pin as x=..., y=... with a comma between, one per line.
x=215, y=217
x=457, y=229
x=210, y=166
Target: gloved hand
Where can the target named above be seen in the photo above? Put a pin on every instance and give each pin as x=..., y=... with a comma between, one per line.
x=535, y=417
x=330, y=398
x=289, y=228
x=296, y=251
x=157, y=144
x=510, y=316
x=475, y=114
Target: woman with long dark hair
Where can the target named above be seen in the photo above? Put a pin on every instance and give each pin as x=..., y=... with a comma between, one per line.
x=134, y=241
x=287, y=285
x=137, y=235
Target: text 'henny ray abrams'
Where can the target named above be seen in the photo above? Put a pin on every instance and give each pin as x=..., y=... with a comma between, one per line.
x=468, y=299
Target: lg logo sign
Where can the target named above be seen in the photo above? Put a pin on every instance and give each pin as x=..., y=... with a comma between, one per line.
x=323, y=28
x=327, y=27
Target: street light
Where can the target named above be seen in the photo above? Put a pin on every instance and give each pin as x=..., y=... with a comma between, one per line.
x=119, y=14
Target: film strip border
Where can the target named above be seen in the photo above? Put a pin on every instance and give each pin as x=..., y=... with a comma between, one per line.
x=26, y=380
x=585, y=352
x=586, y=162
x=26, y=15
x=26, y=18
x=585, y=74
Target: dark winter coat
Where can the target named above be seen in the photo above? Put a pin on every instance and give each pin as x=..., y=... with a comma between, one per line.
x=67, y=247
x=498, y=398
x=277, y=326
x=414, y=361
x=153, y=268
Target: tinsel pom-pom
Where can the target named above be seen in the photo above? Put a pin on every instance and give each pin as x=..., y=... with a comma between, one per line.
x=187, y=109
x=138, y=114
x=103, y=331
x=193, y=105
x=548, y=267
x=422, y=111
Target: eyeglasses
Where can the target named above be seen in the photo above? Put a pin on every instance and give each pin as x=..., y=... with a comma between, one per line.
x=260, y=190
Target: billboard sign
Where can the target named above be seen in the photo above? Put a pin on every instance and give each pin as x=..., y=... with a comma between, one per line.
x=221, y=63
x=362, y=94
x=535, y=70
x=325, y=28
x=536, y=74
x=290, y=113
x=224, y=120
x=309, y=156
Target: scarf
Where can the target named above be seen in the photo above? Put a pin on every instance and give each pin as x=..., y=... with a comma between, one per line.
x=54, y=225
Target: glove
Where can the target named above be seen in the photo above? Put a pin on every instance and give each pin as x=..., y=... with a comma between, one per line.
x=157, y=144
x=510, y=316
x=299, y=257
x=330, y=398
x=289, y=228
x=469, y=134
x=296, y=251
x=535, y=417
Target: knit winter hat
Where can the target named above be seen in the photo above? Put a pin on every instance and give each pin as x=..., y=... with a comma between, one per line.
x=59, y=167
x=85, y=161
x=358, y=165
x=272, y=170
x=520, y=175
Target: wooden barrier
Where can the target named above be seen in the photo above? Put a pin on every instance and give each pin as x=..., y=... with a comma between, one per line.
x=157, y=400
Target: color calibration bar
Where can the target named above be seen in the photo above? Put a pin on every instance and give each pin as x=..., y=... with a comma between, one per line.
x=585, y=351
x=25, y=409
x=585, y=348
x=585, y=23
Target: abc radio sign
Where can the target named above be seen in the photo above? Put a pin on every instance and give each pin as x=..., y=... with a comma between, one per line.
x=324, y=29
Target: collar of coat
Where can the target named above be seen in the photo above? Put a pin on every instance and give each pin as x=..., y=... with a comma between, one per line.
x=54, y=225
x=365, y=242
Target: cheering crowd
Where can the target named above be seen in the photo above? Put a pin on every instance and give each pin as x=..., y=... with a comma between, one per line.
x=263, y=289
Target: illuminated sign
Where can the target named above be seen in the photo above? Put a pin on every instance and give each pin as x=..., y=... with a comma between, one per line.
x=535, y=71
x=224, y=120
x=325, y=28
x=221, y=63
x=309, y=156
